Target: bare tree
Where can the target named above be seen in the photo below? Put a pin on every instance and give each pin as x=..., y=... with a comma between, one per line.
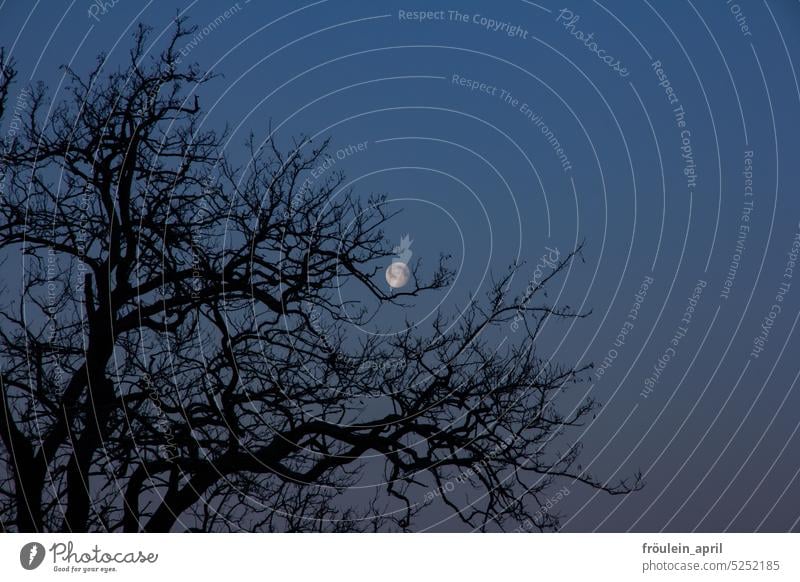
x=177, y=356
x=7, y=74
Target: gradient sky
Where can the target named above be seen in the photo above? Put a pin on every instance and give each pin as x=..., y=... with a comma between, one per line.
x=476, y=177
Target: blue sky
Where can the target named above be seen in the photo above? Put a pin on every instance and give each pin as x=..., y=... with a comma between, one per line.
x=501, y=129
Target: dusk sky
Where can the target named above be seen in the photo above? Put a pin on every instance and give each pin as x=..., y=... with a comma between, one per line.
x=663, y=135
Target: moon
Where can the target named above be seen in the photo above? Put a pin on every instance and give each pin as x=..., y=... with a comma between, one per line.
x=397, y=275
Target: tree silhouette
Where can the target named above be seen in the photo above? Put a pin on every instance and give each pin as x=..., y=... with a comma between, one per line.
x=177, y=356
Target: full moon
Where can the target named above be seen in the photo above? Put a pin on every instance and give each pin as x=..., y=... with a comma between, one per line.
x=397, y=275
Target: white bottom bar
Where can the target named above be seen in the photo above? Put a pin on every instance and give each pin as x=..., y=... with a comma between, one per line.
x=401, y=557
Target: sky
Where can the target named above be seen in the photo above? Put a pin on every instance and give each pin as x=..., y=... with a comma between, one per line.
x=661, y=134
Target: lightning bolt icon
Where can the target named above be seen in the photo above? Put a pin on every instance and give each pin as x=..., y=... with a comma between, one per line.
x=32, y=554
